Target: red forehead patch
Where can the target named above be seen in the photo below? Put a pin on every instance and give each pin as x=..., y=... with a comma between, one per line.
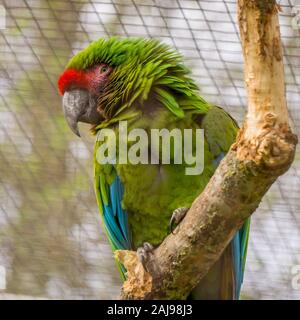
x=72, y=77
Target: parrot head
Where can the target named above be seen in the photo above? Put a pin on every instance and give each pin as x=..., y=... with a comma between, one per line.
x=111, y=75
x=81, y=90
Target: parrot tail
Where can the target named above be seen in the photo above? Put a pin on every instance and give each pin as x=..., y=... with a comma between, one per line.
x=224, y=279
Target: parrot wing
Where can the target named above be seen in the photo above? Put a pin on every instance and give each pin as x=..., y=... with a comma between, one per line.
x=109, y=193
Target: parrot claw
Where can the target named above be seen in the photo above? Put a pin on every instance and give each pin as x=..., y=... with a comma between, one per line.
x=144, y=254
x=177, y=216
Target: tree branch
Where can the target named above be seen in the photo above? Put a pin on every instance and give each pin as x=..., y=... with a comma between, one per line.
x=264, y=150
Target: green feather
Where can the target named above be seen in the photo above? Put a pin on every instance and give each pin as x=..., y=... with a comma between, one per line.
x=169, y=101
x=103, y=189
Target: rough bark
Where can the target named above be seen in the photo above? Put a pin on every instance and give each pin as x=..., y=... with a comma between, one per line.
x=264, y=150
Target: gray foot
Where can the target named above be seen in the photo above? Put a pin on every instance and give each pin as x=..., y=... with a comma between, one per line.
x=177, y=217
x=144, y=254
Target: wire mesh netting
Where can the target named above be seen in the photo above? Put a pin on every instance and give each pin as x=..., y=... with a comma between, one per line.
x=51, y=241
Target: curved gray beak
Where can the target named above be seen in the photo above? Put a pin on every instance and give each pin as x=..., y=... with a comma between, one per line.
x=75, y=104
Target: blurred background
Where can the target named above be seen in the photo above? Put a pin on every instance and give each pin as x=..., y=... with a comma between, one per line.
x=51, y=241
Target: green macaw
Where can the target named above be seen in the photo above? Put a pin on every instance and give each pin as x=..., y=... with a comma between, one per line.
x=145, y=83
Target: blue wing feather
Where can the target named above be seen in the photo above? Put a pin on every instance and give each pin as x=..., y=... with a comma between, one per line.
x=236, y=244
x=239, y=243
x=114, y=229
x=121, y=213
x=114, y=196
x=114, y=216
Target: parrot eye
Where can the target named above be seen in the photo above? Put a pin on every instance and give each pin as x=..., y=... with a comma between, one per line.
x=104, y=69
